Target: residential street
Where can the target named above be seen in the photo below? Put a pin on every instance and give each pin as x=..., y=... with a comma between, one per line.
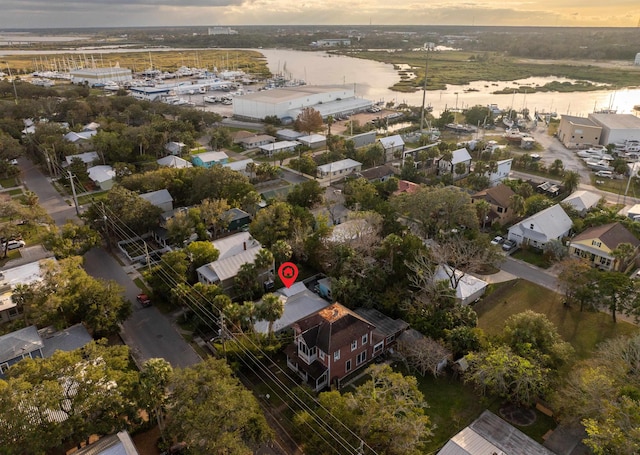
x=530, y=273
x=49, y=198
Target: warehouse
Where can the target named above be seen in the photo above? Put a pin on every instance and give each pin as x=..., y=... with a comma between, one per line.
x=288, y=102
x=617, y=128
x=100, y=76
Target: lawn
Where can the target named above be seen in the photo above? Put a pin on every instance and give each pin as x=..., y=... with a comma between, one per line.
x=532, y=257
x=9, y=182
x=584, y=330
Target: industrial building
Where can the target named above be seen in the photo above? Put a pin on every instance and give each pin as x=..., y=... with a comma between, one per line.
x=287, y=103
x=100, y=76
x=602, y=129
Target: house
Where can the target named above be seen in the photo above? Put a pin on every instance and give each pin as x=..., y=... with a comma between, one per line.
x=548, y=188
x=174, y=162
x=378, y=173
x=240, y=166
x=299, y=302
x=499, y=197
x=550, y=224
x=313, y=141
x=329, y=345
x=9, y=278
x=597, y=244
x=256, y=140
x=391, y=145
x=459, y=158
x=80, y=138
x=103, y=176
x=490, y=435
x=502, y=171
x=582, y=201
x=236, y=218
x=161, y=198
x=405, y=186
x=287, y=134
x=363, y=139
x=338, y=169
x=31, y=343
x=209, y=159
x=235, y=250
x=277, y=147
x=387, y=330
x=115, y=444
x=175, y=148
x=468, y=288
x=86, y=158
x=239, y=135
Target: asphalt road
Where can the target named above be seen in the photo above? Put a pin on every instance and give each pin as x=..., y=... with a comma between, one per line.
x=147, y=332
x=530, y=273
x=48, y=197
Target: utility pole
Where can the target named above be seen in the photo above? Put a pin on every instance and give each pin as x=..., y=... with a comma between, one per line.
x=424, y=90
x=106, y=225
x=73, y=191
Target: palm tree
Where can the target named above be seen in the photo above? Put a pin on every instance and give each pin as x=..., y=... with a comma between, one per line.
x=271, y=310
x=570, y=181
x=264, y=260
x=556, y=167
x=517, y=204
x=251, y=169
x=281, y=251
x=483, y=208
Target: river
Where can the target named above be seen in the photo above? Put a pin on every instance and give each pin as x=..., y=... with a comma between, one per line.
x=372, y=80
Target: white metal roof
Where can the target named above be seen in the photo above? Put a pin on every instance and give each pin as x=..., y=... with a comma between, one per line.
x=240, y=166
x=582, y=200
x=312, y=138
x=101, y=173
x=338, y=166
x=391, y=141
x=208, y=157
x=279, y=145
x=157, y=197
x=467, y=284
x=296, y=306
x=551, y=222
x=87, y=158
x=460, y=156
x=174, y=161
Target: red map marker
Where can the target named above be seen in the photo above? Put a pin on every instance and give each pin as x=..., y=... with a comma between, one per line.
x=288, y=272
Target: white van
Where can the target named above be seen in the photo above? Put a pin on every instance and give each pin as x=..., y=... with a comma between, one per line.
x=606, y=174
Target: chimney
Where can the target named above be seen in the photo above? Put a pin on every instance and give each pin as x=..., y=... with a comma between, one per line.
x=244, y=245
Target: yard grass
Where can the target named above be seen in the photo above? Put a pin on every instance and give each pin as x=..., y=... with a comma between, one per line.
x=88, y=198
x=15, y=192
x=532, y=257
x=9, y=182
x=583, y=330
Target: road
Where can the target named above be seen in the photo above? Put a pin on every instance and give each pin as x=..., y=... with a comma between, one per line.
x=530, y=273
x=48, y=197
x=147, y=332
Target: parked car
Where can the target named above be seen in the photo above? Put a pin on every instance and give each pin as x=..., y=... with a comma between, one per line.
x=509, y=245
x=13, y=244
x=606, y=174
x=497, y=240
x=144, y=300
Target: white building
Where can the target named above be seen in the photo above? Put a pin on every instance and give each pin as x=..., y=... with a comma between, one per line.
x=86, y=158
x=221, y=31
x=582, y=201
x=339, y=169
x=314, y=141
x=93, y=76
x=550, y=224
x=161, y=198
x=240, y=166
x=288, y=102
x=174, y=161
x=281, y=146
x=617, y=128
x=103, y=176
x=502, y=172
x=637, y=60
x=468, y=288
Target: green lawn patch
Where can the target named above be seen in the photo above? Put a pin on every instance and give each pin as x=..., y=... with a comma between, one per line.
x=9, y=182
x=88, y=198
x=532, y=257
x=15, y=192
x=584, y=330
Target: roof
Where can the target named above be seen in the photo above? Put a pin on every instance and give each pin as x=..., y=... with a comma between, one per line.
x=333, y=327
x=174, y=161
x=285, y=94
x=296, y=306
x=612, y=235
x=86, y=158
x=579, y=120
x=377, y=172
x=157, y=198
x=582, y=200
x=174, y=147
x=234, y=244
x=102, y=173
x=72, y=136
x=312, y=138
x=20, y=342
x=391, y=141
x=489, y=435
x=288, y=133
x=208, y=157
x=616, y=121
x=337, y=166
x=239, y=166
x=279, y=145
x=385, y=326
x=115, y=444
x=69, y=339
x=234, y=214
x=552, y=222
x=256, y=138
x=460, y=156
x=235, y=250
x=467, y=286
x=405, y=186
x=499, y=195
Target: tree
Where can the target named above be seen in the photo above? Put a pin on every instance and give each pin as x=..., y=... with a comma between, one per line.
x=214, y=214
x=272, y=223
x=309, y=121
x=574, y=276
x=170, y=271
x=424, y=355
x=271, y=309
x=361, y=194
x=570, y=181
x=556, y=167
x=246, y=282
x=533, y=336
x=199, y=254
x=625, y=255
x=180, y=227
x=499, y=371
x=306, y=194
x=537, y=203
x=616, y=292
x=208, y=393
x=153, y=393
x=72, y=240
x=281, y=251
x=483, y=208
x=387, y=412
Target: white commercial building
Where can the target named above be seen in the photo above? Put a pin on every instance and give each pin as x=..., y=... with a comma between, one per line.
x=93, y=76
x=288, y=102
x=617, y=128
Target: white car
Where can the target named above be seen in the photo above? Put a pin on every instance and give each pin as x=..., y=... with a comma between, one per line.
x=497, y=240
x=13, y=244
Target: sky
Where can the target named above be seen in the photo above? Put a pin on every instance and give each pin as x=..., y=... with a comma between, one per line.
x=131, y=13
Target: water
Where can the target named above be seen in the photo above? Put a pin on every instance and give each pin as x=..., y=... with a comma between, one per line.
x=373, y=79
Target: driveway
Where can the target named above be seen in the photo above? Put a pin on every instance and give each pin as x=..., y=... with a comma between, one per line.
x=530, y=272
x=48, y=197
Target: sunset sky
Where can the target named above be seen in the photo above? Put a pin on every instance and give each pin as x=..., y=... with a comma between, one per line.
x=127, y=13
